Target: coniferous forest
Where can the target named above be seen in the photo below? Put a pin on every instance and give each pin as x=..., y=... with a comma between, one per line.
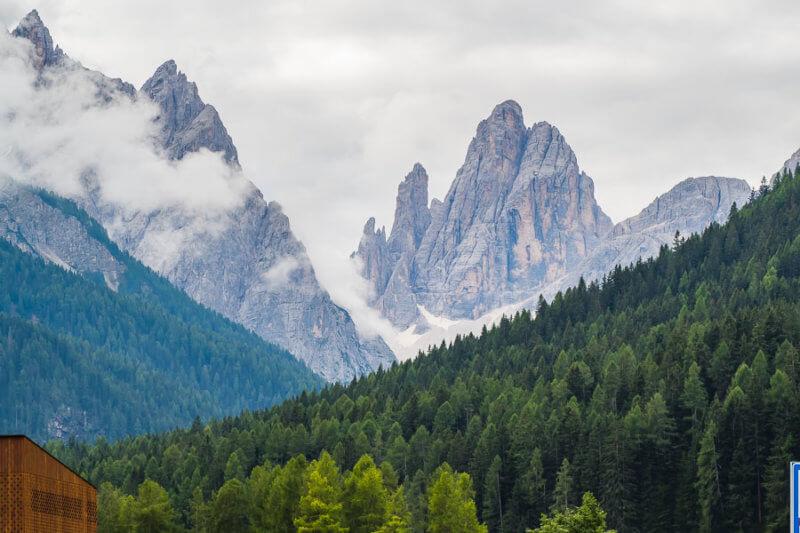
x=669, y=391
x=145, y=357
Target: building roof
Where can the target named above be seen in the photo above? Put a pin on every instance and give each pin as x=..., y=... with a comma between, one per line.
x=50, y=456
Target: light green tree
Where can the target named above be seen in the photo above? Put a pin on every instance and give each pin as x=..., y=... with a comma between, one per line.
x=399, y=520
x=563, y=487
x=451, y=503
x=320, y=507
x=114, y=509
x=152, y=511
x=365, y=500
x=588, y=518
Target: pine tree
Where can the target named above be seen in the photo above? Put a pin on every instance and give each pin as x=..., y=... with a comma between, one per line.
x=320, y=508
x=588, y=518
x=451, y=504
x=366, y=503
x=230, y=508
x=694, y=397
x=153, y=511
x=707, y=483
x=563, y=487
x=493, y=497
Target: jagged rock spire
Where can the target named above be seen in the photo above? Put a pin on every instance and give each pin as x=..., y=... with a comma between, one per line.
x=32, y=28
x=411, y=216
x=187, y=123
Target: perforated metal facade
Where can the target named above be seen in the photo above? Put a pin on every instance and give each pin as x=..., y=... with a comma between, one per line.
x=38, y=493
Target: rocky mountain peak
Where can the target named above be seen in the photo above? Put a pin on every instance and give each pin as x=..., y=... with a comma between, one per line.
x=411, y=216
x=519, y=213
x=32, y=28
x=187, y=123
x=508, y=111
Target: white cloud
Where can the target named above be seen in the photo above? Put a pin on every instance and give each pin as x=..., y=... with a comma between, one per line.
x=279, y=273
x=54, y=134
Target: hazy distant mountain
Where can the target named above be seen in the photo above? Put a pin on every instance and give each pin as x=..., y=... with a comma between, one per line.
x=689, y=207
x=244, y=262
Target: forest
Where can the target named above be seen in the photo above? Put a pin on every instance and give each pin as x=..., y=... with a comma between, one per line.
x=668, y=391
x=76, y=356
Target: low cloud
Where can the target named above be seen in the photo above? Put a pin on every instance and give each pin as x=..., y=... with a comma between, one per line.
x=279, y=274
x=55, y=133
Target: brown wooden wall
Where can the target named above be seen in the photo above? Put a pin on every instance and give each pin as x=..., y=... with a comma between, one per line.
x=38, y=493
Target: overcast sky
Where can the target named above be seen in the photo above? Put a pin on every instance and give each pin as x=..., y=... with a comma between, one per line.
x=330, y=103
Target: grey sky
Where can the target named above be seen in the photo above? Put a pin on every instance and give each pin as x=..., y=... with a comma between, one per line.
x=331, y=103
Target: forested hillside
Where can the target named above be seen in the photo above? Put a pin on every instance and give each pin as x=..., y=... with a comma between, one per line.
x=78, y=359
x=669, y=391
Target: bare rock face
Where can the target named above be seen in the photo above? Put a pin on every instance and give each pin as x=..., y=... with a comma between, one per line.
x=689, y=207
x=519, y=213
x=32, y=28
x=792, y=163
x=187, y=123
x=244, y=263
x=385, y=262
x=30, y=220
x=411, y=216
x=376, y=262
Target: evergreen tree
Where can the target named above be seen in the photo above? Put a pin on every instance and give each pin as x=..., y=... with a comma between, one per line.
x=493, y=497
x=320, y=508
x=152, y=511
x=588, y=518
x=230, y=508
x=707, y=484
x=451, y=505
x=114, y=510
x=366, y=503
x=563, y=487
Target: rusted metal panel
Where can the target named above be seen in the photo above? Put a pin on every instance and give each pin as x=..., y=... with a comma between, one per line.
x=39, y=493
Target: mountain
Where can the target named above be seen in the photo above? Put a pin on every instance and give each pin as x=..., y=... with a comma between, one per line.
x=669, y=390
x=519, y=213
x=242, y=261
x=519, y=220
x=689, y=207
x=792, y=163
x=96, y=344
x=386, y=263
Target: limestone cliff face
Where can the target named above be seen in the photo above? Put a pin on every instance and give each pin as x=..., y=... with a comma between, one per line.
x=376, y=263
x=244, y=263
x=519, y=213
x=411, y=216
x=385, y=263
